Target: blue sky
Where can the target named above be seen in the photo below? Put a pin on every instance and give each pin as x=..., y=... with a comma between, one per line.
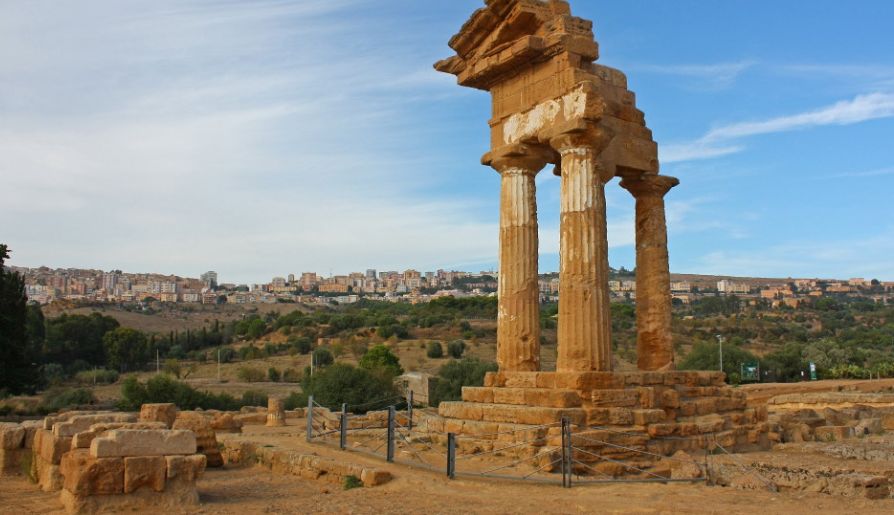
x=271, y=137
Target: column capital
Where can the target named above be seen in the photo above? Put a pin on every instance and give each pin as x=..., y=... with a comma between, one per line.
x=519, y=157
x=646, y=185
x=590, y=142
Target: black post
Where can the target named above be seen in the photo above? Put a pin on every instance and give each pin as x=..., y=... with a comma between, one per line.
x=343, y=435
x=568, y=454
x=564, y=456
x=410, y=410
x=391, y=416
x=451, y=455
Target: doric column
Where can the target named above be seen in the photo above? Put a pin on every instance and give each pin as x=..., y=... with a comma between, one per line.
x=584, y=309
x=654, y=345
x=518, y=318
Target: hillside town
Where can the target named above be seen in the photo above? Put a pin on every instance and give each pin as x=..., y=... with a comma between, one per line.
x=45, y=285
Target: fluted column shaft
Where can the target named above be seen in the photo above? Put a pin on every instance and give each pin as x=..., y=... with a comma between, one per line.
x=518, y=318
x=654, y=344
x=584, y=305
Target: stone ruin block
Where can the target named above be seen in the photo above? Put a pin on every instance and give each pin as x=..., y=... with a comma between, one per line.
x=206, y=439
x=166, y=413
x=13, y=451
x=85, y=475
x=79, y=423
x=124, y=443
x=226, y=423
x=83, y=439
x=148, y=471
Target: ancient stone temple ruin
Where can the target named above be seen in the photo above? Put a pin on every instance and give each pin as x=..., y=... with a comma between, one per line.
x=552, y=104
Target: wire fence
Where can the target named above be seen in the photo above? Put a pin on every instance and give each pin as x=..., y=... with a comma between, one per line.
x=558, y=453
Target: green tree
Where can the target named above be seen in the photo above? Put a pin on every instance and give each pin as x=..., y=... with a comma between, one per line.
x=126, y=349
x=380, y=357
x=322, y=358
x=435, y=350
x=357, y=387
x=456, y=374
x=706, y=356
x=17, y=374
x=74, y=337
x=456, y=348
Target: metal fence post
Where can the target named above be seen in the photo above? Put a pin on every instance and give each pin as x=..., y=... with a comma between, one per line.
x=569, y=451
x=343, y=434
x=564, y=454
x=410, y=411
x=451, y=455
x=310, y=417
x=391, y=416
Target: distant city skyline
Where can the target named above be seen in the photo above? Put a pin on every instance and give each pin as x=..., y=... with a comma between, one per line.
x=259, y=136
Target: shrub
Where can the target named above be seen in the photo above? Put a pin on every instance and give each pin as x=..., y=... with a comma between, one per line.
x=56, y=399
x=172, y=366
x=456, y=348
x=227, y=354
x=323, y=358
x=380, y=357
x=273, y=375
x=164, y=388
x=456, y=374
x=254, y=398
x=352, y=482
x=435, y=350
x=250, y=375
x=53, y=374
x=290, y=375
x=99, y=376
x=295, y=400
x=303, y=345
x=344, y=384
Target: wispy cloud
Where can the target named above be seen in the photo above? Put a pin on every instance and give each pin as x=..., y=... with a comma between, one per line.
x=724, y=140
x=868, y=173
x=701, y=76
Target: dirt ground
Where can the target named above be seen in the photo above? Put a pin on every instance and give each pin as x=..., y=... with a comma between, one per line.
x=242, y=491
x=251, y=491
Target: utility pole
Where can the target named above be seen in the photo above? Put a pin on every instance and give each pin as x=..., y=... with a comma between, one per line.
x=720, y=341
x=218, y=364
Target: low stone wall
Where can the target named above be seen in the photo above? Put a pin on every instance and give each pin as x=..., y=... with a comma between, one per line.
x=830, y=416
x=307, y=466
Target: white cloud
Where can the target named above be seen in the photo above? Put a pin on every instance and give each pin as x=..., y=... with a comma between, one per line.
x=702, y=76
x=253, y=138
x=723, y=140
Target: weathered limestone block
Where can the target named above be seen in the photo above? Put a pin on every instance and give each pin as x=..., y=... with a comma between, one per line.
x=833, y=433
x=122, y=443
x=476, y=394
x=206, y=439
x=144, y=471
x=185, y=468
x=12, y=436
x=166, y=413
x=83, y=439
x=683, y=466
x=49, y=447
x=250, y=419
x=616, y=398
x=75, y=425
x=276, y=412
x=85, y=475
x=177, y=497
x=226, y=423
